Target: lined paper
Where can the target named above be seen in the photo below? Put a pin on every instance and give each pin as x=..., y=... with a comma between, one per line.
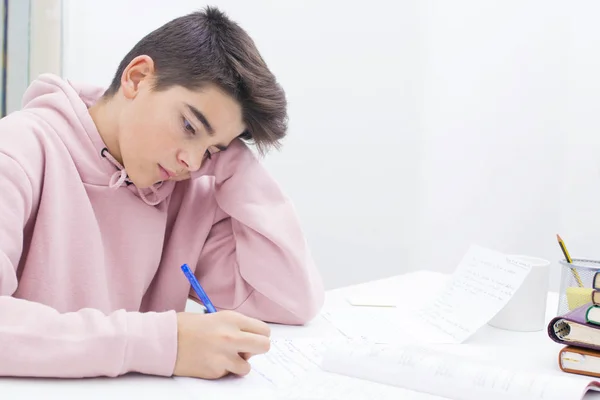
x=448, y=375
x=482, y=284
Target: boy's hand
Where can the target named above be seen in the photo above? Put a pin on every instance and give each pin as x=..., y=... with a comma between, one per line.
x=210, y=346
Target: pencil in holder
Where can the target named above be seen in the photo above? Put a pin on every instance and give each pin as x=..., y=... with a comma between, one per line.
x=576, y=283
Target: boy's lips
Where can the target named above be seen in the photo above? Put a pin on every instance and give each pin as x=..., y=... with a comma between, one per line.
x=165, y=173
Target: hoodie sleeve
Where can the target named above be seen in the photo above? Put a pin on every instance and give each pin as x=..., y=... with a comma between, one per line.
x=36, y=340
x=256, y=259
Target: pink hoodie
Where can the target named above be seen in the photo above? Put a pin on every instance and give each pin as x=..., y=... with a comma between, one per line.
x=90, y=278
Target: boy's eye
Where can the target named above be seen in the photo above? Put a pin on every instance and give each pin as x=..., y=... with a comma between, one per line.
x=188, y=127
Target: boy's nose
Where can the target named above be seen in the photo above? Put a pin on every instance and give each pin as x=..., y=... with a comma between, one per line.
x=190, y=162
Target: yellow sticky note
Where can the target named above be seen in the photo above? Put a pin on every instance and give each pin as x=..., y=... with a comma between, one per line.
x=371, y=301
x=578, y=296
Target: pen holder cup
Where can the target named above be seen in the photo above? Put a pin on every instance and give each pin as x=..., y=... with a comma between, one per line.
x=576, y=283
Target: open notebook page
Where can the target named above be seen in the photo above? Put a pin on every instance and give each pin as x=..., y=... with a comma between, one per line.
x=327, y=386
x=449, y=375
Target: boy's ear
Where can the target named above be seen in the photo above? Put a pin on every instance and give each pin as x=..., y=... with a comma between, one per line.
x=139, y=72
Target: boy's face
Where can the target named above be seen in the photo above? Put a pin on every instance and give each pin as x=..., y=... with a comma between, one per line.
x=166, y=135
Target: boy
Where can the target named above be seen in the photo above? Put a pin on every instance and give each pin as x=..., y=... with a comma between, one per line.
x=105, y=194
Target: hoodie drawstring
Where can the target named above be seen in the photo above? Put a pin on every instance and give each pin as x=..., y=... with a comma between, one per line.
x=120, y=177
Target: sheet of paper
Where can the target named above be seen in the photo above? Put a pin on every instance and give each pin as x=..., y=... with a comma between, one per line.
x=393, y=291
x=320, y=327
x=286, y=361
x=380, y=324
x=448, y=375
x=329, y=386
x=482, y=284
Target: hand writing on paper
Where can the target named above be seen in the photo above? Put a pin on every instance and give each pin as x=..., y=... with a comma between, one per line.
x=210, y=346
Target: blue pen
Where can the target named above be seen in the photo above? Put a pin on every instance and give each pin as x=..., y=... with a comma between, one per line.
x=198, y=289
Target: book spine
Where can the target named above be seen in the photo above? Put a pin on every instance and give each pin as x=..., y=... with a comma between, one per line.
x=596, y=297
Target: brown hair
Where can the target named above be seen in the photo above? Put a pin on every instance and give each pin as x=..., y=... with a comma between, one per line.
x=206, y=47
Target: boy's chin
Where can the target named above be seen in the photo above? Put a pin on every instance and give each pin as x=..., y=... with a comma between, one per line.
x=142, y=183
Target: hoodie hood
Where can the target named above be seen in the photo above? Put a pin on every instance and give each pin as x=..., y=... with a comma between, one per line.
x=63, y=105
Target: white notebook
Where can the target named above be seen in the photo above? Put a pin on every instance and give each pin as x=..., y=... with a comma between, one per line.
x=313, y=369
x=449, y=376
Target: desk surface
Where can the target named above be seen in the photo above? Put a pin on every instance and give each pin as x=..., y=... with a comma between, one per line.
x=542, y=352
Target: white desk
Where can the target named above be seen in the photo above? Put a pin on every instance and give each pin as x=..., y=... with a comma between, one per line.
x=541, y=352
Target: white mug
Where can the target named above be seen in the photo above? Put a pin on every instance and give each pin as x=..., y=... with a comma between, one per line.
x=526, y=310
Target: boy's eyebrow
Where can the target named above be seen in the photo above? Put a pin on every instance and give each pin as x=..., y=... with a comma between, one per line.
x=211, y=132
x=200, y=117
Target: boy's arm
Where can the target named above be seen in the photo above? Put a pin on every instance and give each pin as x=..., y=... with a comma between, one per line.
x=36, y=340
x=256, y=259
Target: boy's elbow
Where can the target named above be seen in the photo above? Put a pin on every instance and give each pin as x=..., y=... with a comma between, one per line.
x=294, y=307
x=313, y=296
x=308, y=304
x=292, y=299
x=308, y=308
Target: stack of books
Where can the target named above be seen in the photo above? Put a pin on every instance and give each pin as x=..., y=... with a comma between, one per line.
x=579, y=331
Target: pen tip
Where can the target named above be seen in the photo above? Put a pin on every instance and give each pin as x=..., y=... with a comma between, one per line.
x=558, y=236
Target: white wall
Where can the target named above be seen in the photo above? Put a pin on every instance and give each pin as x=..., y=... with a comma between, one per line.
x=417, y=127
x=45, y=37
x=495, y=88
x=581, y=194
